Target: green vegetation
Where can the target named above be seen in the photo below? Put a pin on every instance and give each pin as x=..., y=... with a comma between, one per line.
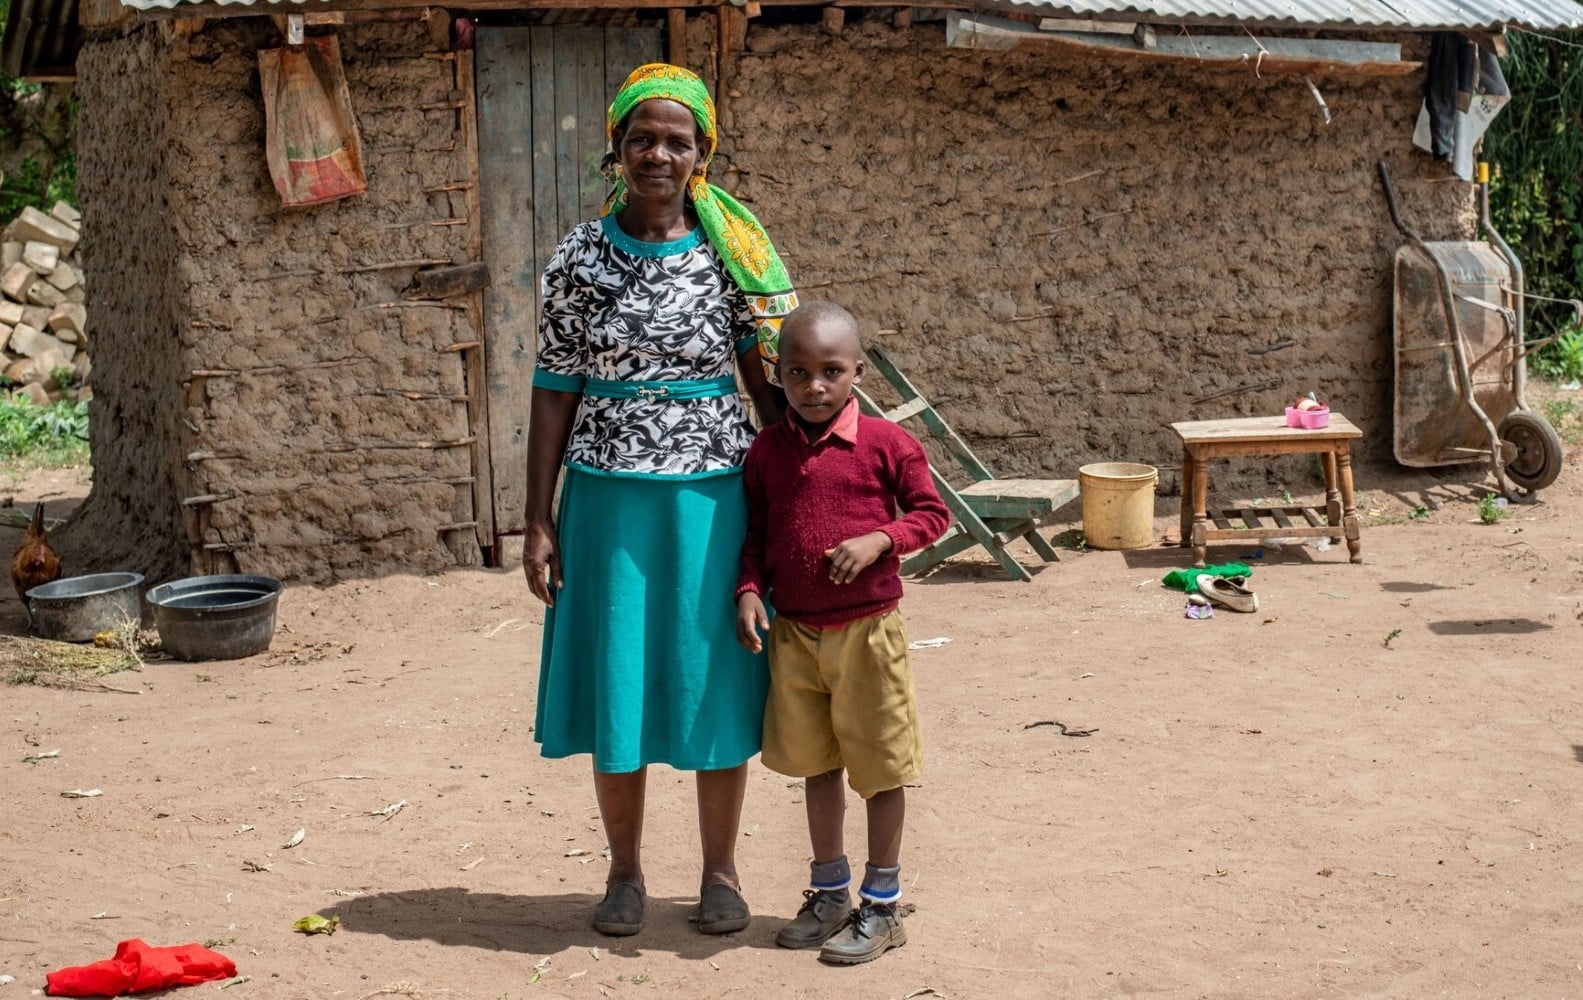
x=1489, y=510
x=1419, y=514
x=1563, y=359
x=1535, y=147
x=1566, y=416
x=40, y=119
x=50, y=437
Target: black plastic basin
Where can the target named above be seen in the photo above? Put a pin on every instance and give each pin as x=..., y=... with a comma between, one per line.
x=223, y=617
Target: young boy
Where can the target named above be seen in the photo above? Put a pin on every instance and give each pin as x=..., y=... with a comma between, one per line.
x=834, y=499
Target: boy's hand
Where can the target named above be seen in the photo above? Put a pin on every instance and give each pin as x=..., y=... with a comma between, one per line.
x=751, y=620
x=855, y=555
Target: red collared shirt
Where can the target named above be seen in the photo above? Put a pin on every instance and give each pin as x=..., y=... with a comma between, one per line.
x=862, y=474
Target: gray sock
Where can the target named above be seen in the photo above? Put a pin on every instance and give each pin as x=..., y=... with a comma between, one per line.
x=881, y=885
x=831, y=876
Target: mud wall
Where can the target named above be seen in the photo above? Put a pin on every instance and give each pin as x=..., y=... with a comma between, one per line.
x=322, y=427
x=1068, y=255
x=131, y=519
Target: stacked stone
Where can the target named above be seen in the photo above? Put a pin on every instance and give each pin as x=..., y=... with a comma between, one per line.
x=43, y=339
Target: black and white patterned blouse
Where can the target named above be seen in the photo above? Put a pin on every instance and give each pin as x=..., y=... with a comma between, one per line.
x=616, y=308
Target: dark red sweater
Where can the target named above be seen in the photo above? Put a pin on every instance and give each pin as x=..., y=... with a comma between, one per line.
x=860, y=476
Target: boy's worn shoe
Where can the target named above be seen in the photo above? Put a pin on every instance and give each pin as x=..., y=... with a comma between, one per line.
x=722, y=910
x=620, y=913
x=822, y=914
x=871, y=930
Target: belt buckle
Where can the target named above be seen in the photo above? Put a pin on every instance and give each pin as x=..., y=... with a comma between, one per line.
x=650, y=393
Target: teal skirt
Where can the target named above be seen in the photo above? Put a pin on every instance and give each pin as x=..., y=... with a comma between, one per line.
x=640, y=663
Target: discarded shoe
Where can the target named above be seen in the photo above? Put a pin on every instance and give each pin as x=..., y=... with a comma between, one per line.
x=1226, y=593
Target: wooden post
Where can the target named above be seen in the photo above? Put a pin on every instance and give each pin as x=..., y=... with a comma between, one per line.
x=676, y=36
x=834, y=19
x=731, y=34
x=902, y=18
x=477, y=392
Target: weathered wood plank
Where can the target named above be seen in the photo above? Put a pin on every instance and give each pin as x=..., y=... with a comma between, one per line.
x=589, y=43
x=508, y=158
x=482, y=486
x=568, y=204
x=544, y=130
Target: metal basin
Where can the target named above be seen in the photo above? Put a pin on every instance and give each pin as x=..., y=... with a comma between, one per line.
x=223, y=617
x=77, y=608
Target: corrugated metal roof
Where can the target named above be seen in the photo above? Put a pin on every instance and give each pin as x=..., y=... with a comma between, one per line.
x=1416, y=15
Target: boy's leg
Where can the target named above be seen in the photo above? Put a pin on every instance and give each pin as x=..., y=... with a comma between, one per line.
x=721, y=908
x=620, y=798
x=886, y=813
x=825, y=797
x=875, y=927
x=827, y=902
x=876, y=722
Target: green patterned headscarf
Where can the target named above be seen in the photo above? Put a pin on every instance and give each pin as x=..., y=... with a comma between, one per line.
x=736, y=235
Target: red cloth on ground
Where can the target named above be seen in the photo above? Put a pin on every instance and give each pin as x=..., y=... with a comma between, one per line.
x=138, y=968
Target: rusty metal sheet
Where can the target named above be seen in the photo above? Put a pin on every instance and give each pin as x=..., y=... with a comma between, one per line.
x=1433, y=425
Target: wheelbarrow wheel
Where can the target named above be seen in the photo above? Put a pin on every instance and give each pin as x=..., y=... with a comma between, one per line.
x=1539, y=451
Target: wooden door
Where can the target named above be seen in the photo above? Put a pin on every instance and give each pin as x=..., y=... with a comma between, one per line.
x=542, y=95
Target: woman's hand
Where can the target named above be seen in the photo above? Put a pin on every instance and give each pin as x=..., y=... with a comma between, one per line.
x=541, y=561
x=751, y=620
x=855, y=555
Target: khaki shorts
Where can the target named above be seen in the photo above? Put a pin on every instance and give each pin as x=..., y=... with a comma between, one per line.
x=843, y=697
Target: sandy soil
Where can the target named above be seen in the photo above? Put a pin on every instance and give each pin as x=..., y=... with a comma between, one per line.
x=1368, y=788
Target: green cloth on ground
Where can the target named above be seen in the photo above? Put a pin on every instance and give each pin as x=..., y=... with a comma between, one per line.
x=1187, y=579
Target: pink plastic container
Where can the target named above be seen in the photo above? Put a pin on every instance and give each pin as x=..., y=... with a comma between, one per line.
x=1311, y=420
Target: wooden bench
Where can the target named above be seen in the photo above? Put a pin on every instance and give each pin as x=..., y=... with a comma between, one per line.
x=988, y=511
x=1206, y=440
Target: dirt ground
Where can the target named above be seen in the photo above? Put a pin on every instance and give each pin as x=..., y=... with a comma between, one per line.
x=1368, y=788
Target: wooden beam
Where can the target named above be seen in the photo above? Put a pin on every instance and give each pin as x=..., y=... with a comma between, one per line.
x=676, y=36
x=215, y=10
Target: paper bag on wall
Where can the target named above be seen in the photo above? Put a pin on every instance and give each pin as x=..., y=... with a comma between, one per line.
x=310, y=133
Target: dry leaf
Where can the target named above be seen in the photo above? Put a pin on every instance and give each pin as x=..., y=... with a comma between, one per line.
x=576, y=852
x=35, y=758
x=78, y=793
x=472, y=864
x=390, y=810
x=296, y=839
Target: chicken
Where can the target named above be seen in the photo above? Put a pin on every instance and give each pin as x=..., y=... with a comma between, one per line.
x=35, y=563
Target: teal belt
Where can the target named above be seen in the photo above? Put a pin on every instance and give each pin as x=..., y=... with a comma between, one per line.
x=610, y=388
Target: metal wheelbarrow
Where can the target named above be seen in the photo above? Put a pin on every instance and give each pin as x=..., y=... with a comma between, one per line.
x=1461, y=358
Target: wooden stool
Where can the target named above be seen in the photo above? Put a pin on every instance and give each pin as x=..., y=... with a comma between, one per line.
x=1204, y=440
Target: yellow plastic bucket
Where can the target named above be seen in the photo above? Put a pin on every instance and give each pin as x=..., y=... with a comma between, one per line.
x=1118, y=504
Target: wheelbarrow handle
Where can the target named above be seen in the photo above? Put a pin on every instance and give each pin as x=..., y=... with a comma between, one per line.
x=1390, y=199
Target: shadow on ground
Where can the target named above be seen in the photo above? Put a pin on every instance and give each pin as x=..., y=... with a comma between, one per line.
x=455, y=917
x=1493, y=626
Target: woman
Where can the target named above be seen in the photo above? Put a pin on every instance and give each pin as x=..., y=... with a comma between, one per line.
x=645, y=314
